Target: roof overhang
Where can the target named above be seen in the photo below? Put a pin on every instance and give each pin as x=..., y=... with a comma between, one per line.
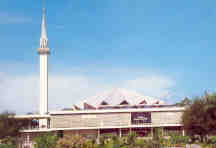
x=156, y=109
x=32, y=116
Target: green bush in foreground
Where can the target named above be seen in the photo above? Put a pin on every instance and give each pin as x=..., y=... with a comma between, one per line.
x=8, y=142
x=46, y=141
x=113, y=141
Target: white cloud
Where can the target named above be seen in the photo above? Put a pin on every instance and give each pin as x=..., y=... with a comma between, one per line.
x=21, y=93
x=6, y=18
x=18, y=93
x=68, y=90
x=153, y=85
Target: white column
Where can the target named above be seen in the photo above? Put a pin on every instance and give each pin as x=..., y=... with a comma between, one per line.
x=43, y=84
x=28, y=139
x=152, y=132
x=183, y=132
x=98, y=136
x=43, y=88
x=120, y=133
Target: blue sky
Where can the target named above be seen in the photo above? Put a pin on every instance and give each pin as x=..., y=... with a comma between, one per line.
x=166, y=46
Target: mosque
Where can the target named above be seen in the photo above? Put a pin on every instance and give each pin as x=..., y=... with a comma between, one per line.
x=118, y=112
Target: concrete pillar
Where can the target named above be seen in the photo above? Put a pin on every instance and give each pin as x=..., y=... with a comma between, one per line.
x=43, y=84
x=43, y=89
x=29, y=124
x=120, y=133
x=98, y=136
x=28, y=140
x=183, y=132
x=162, y=131
x=48, y=123
x=130, y=130
x=152, y=132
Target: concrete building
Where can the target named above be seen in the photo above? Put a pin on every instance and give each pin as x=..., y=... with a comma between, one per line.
x=118, y=113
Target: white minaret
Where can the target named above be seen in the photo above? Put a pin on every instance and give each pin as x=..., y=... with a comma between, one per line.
x=43, y=51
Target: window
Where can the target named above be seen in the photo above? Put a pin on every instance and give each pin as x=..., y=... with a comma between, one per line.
x=140, y=117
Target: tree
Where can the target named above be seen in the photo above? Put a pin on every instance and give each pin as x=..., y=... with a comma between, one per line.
x=200, y=117
x=10, y=126
x=7, y=125
x=185, y=102
x=46, y=141
x=210, y=112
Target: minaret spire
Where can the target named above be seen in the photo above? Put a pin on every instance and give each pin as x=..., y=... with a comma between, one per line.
x=43, y=39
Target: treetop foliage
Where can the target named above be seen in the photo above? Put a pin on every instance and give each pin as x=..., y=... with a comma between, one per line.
x=9, y=125
x=199, y=117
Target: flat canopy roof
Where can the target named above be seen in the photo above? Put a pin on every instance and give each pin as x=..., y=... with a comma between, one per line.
x=32, y=116
x=154, y=109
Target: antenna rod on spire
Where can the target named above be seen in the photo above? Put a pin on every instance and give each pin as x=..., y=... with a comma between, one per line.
x=44, y=4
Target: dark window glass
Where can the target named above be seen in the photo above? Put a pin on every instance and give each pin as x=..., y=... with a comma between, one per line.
x=141, y=117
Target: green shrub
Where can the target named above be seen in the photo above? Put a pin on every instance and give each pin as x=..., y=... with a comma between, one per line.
x=4, y=146
x=131, y=139
x=140, y=143
x=213, y=139
x=178, y=139
x=8, y=142
x=7, y=146
x=46, y=141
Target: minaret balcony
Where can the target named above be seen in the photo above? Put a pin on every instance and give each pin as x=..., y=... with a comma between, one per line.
x=43, y=51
